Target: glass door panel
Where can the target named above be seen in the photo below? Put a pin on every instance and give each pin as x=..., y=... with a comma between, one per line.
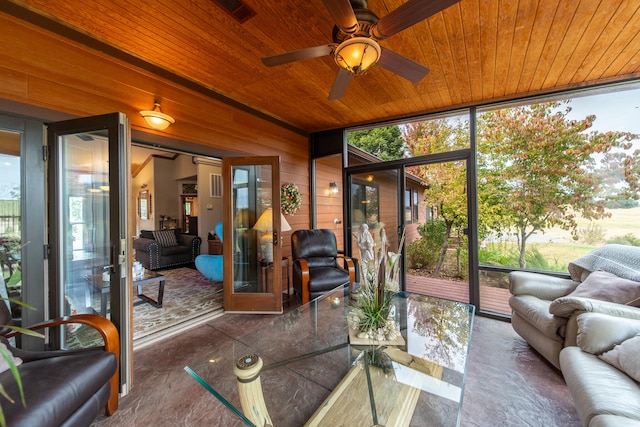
x=374, y=216
x=436, y=216
x=88, y=227
x=10, y=222
x=252, y=272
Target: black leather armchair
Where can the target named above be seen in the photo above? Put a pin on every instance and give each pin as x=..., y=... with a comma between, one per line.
x=65, y=387
x=316, y=269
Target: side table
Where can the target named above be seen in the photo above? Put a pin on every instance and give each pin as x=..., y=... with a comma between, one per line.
x=267, y=275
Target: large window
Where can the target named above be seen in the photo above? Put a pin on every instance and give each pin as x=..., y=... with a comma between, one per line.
x=558, y=178
x=364, y=204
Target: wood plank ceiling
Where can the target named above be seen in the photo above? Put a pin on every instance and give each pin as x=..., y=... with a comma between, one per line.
x=477, y=51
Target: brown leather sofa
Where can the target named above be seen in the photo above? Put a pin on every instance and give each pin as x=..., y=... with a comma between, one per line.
x=66, y=387
x=154, y=254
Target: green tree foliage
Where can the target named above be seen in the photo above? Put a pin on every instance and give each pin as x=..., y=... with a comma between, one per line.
x=385, y=143
x=537, y=169
x=446, y=192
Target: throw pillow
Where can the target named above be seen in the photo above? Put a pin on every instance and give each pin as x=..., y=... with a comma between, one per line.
x=165, y=238
x=605, y=286
x=624, y=356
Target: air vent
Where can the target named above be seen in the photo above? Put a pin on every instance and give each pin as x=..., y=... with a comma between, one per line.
x=237, y=9
x=216, y=185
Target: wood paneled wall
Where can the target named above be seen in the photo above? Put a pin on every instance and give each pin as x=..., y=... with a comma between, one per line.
x=44, y=70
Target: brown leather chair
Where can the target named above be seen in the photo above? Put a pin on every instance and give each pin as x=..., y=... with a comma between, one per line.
x=316, y=266
x=65, y=387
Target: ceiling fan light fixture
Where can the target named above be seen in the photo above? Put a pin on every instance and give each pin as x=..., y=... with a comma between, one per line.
x=156, y=119
x=357, y=54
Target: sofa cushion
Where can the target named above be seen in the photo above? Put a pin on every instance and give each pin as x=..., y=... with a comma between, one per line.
x=536, y=312
x=597, y=387
x=624, y=356
x=56, y=387
x=606, y=286
x=166, y=238
x=146, y=234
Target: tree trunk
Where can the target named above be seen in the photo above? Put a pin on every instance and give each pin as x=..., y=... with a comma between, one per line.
x=443, y=251
x=523, y=248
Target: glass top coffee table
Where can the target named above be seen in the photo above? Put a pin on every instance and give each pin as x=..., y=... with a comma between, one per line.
x=311, y=375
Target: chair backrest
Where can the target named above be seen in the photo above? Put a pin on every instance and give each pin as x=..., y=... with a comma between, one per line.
x=318, y=247
x=218, y=230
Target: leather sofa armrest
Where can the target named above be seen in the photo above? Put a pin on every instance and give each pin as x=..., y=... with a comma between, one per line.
x=109, y=335
x=145, y=245
x=599, y=332
x=189, y=240
x=540, y=285
x=567, y=305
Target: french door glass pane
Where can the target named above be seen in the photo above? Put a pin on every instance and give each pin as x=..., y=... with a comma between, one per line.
x=84, y=226
x=10, y=221
x=252, y=228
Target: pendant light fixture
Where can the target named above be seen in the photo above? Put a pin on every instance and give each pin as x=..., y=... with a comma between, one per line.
x=156, y=119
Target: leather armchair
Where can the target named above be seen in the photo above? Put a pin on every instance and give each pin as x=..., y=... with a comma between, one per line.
x=66, y=387
x=316, y=268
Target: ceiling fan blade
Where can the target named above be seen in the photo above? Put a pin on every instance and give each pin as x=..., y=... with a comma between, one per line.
x=340, y=84
x=410, y=13
x=342, y=14
x=402, y=66
x=297, y=55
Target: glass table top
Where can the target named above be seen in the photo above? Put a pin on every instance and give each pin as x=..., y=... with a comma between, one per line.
x=312, y=375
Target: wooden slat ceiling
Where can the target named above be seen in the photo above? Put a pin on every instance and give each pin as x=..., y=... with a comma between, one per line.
x=477, y=50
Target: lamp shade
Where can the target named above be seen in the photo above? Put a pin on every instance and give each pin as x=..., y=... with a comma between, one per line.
x=156, y=119
x=264, y=223
x=357, y=54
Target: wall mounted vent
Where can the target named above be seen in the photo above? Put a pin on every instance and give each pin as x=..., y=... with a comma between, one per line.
x=216, y=184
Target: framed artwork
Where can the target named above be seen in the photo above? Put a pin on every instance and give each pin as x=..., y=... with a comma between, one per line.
x=189, y=188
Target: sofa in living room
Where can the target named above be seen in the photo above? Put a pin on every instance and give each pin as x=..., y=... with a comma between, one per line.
x=166, y=248
x=603, y=371
x=575, y=322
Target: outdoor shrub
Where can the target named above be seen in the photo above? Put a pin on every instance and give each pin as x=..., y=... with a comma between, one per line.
x=592, y=234
x=627, y=239
x=424, y=252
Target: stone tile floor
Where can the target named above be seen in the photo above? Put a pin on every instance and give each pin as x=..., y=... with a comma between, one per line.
x=508, y=384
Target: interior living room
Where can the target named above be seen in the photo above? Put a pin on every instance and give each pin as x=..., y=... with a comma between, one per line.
x=216, y=187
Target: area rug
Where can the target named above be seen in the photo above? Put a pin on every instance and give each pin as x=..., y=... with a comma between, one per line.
x=187, y=295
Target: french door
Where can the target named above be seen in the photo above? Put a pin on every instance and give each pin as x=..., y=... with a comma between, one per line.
x=423, y=200
x=253, y=250
x=88, y=188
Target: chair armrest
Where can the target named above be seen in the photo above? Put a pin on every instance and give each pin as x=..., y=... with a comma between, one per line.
x=145, y=245
x=599, y=332
x=540, y=285
x=109, y=335
x=304, y=269
x=350, y=266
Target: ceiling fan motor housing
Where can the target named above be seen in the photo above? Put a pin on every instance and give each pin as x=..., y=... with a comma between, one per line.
x=366, y=20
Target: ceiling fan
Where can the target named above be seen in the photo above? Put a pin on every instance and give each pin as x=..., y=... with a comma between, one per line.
x=356, y=34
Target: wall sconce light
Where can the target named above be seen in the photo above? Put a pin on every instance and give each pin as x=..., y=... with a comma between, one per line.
x=156, y=119
x=333, y=188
